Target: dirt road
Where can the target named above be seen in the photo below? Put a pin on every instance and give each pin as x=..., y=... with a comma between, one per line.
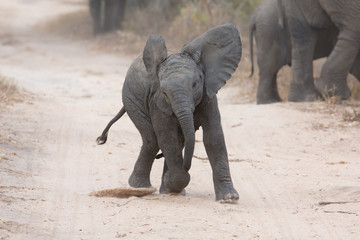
x=296, y=166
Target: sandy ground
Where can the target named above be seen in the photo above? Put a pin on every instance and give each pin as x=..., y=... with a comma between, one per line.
x=296, y=166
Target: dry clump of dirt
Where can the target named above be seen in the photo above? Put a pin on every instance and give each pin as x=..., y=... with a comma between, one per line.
x=123, y=192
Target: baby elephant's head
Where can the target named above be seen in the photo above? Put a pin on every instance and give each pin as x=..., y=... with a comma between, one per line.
x=181, y=78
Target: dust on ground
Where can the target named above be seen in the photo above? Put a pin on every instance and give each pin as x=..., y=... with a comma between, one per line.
x=295, y=165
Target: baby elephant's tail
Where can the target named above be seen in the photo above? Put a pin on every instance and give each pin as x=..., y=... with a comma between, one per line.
x=102, y=139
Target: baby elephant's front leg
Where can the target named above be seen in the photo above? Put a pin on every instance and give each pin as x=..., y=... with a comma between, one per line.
x=214, y=142
x=175, y=178
x=216, y=151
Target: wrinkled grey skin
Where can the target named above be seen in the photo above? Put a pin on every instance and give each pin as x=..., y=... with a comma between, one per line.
x=273, y=42
x=169, y=97
x=305, y=17
x=109, y=18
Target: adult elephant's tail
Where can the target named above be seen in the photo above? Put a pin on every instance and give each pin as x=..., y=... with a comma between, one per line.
x=102, y=139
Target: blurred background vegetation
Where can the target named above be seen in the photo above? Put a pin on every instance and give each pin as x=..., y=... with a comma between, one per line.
x=181, y=20
x=176, y=20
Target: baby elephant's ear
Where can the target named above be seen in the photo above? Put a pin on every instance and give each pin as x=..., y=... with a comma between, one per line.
x=155, y=52
x=220, y=53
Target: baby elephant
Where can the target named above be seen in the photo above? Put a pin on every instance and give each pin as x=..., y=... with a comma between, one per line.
x=169, y=97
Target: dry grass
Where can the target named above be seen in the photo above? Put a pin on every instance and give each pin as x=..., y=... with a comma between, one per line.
x=354, y=86
x=8, y=91
x=351, y=113
x=343, y=114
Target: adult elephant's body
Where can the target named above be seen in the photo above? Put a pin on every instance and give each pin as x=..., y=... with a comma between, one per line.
x=273, y=41
x=269, y=23
x=169, y=97
x=305, y=17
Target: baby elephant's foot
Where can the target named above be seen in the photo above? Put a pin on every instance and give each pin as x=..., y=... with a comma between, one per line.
x=138, y=181
x=174, y=182
x=225, y=192
x=163, y=190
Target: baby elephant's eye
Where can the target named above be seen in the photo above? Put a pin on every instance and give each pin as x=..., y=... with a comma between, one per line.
x=194, y=85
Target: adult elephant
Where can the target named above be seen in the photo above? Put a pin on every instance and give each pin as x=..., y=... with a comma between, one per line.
x=107, y=15
x=270, y=26
x=273, y=42
x=169, y=97
x=305, y=17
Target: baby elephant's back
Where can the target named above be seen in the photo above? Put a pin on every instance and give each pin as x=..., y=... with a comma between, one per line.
x=136, y=85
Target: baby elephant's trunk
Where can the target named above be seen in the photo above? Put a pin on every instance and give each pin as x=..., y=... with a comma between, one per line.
x=102, y=139
x=186, y=121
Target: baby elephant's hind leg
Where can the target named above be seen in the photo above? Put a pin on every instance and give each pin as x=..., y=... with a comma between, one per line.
x=140, y=177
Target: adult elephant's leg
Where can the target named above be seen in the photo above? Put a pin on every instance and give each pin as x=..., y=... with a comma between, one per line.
x=272, y=55
x=355, y=69
x=275, y=90
x=120, y=13
x=140, y=176
x=303, y=40
x=267, y=90
x=110, y=15
x=95, y=12
x=214, y=142
x=333, y=76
